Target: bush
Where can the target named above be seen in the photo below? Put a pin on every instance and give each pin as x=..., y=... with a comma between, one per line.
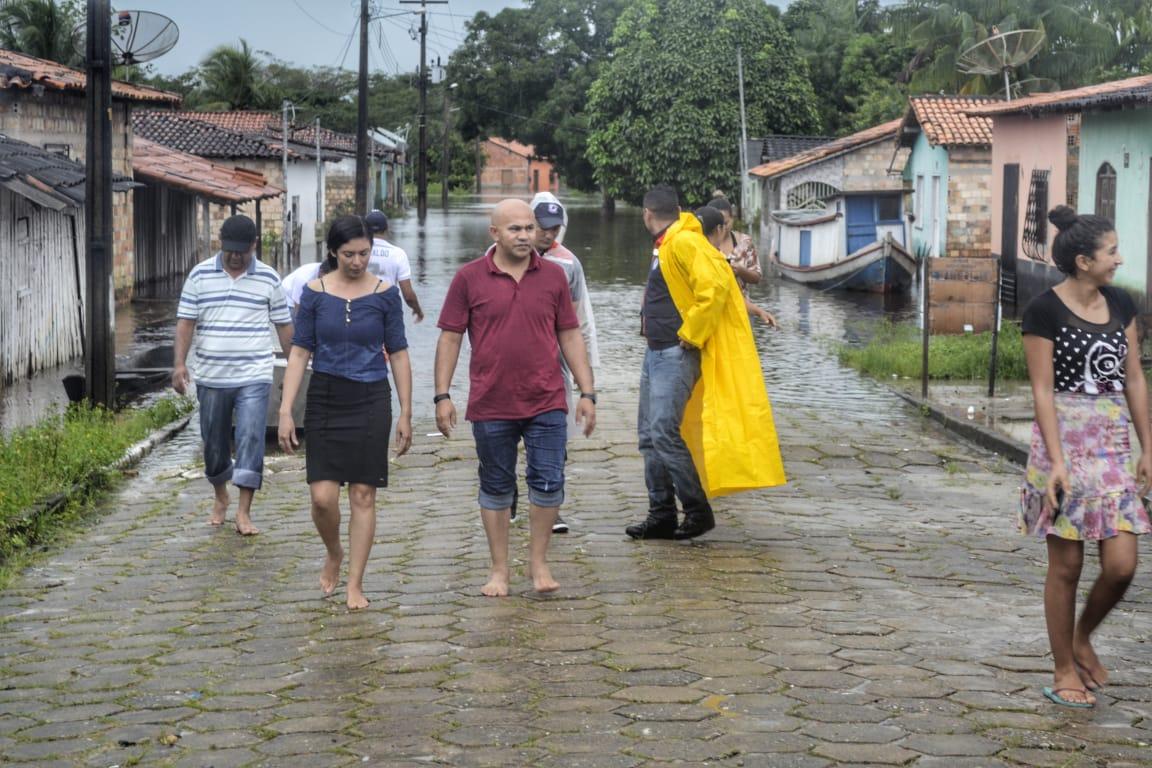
x=896, y=349
x=49, y=472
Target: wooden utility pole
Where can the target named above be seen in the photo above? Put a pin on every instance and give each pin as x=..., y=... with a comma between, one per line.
x=362, y=117
x=422, y=151
x=100, y=346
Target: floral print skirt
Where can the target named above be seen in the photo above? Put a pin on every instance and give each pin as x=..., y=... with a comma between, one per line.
x=1104, y=499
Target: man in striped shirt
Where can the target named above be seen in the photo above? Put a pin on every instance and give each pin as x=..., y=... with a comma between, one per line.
x=227, y=305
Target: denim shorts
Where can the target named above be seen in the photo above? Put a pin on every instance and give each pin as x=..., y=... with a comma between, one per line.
x=545, y=436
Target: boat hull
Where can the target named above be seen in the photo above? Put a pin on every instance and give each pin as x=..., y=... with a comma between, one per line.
x=883, y=267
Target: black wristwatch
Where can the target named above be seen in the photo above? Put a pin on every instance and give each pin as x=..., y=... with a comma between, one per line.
x=590, y=395
x=442, y=396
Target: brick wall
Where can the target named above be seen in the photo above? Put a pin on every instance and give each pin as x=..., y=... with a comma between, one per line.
x=866, y=169
x=969, y=224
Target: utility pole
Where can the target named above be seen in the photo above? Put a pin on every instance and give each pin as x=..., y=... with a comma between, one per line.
x=362, y=117
x=285, y=224
x=444, y=156
x=743, y=135
x=100, y=349
x=317, y=235
x=422, y=152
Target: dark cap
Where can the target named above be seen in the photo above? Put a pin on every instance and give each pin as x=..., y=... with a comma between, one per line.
x=376, y=222
x=549, y=215
x=237, y=234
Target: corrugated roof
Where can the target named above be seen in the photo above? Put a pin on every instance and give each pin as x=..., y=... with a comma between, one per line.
x=173, y=129
x=831, y=149
x=46, y=178
x=24, y=72
x=220, y=183
x=1132, y=90
x=780, y=146
x=945, y=121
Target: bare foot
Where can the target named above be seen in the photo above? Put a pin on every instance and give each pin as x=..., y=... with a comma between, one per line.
x=497, y=585
x=1092, y=672
x=356, y=599
x=244, y=525
x=330, y=575
x=542, y=580
x=220, y=506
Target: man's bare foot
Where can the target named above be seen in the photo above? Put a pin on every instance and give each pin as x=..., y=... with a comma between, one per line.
x=497, y=585
x=330, y=574
x=244, y=525
x=356, y=599
x=542, y=580
x=220, y=506
x=1092, y=672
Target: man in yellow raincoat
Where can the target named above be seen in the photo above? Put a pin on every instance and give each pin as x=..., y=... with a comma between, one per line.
x=704, y=423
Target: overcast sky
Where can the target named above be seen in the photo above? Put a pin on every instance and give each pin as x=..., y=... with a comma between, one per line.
x=314, y=32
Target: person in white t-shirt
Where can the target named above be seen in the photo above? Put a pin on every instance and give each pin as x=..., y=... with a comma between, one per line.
x=389, y=262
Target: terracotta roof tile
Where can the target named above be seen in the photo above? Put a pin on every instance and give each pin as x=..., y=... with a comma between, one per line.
x=945, y=121
x=175, y=130
x=45, y=177
x=1127, y=91
x=164, y=165
x=24, y=72
x=831, y=149
x=514, y=147
x=247, y=122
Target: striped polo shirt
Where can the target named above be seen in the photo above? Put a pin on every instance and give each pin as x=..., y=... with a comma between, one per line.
x=233, y=340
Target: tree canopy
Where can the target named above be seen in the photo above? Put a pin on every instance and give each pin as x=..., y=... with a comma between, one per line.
x=666, y=109
x=41, y=28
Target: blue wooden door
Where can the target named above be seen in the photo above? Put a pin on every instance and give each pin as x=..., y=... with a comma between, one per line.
x=805, y=248
x=860, y=220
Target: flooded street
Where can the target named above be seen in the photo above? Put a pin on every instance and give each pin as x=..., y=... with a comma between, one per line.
x=799, y=360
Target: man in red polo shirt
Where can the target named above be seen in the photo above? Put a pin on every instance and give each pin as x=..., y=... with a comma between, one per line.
x=516, y=309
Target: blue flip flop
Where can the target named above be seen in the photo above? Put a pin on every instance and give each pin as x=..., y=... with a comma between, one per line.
x=1053, y=695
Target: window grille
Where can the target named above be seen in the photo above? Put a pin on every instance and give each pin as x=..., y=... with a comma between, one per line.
x=1106, y=192
x=1035, y=238
x=810, y=195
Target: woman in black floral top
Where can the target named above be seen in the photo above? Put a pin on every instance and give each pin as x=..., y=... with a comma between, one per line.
x=1084, y=363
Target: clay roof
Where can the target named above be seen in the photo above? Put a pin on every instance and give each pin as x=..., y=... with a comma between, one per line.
x=945, y=121
x=1132, y=90
x=196, y=137
x=44, y=177
x=514, y=147
x=827, y=151
x=24, y=72
x=247, y=122
x=330, y=139
x=219, y=183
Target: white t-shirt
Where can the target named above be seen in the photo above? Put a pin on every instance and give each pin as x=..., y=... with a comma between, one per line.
x=389, y=262
x=294, y=282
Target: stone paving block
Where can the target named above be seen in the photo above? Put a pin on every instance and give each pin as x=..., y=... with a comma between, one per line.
x=881, y=754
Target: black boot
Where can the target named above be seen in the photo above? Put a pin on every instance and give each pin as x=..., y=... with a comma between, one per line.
x=655, y=526
x=695, y=524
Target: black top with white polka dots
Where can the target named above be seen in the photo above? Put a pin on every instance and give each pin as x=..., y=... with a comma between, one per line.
x=1087, y=357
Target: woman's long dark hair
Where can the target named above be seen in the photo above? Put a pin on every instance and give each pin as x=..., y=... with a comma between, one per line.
x=710, y=219
x=343, y=230
x=1079, y=234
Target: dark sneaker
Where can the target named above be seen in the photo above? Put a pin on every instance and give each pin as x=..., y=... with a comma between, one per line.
x=653, y=528
x=559, y=526
x=695, y=525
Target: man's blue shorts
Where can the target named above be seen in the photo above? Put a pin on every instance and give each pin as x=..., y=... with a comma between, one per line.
x=545, y=437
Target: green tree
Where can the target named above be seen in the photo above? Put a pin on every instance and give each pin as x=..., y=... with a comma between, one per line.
x=41, y=28
x=524, y=74
x=233, y=78
x=665, y=108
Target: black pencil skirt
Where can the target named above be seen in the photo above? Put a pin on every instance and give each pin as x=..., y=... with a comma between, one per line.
x=346, y=425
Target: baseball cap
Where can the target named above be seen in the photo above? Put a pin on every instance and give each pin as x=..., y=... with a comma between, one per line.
x=237, y=234
x=549, y=215
x=376, y=221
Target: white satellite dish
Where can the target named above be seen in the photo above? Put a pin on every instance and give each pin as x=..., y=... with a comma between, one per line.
x=137, y=36
x=1001, y=53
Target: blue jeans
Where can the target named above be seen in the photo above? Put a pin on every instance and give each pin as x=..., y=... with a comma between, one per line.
x=666, y=383
x=245, y=411
x=545, y=437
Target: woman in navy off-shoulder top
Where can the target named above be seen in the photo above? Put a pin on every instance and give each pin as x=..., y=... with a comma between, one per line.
x=351, y=326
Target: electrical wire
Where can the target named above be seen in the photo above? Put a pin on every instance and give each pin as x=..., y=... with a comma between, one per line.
x=348, y=45
x=315, y=20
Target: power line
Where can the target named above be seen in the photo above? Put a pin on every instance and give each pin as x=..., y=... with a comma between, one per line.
x=348, y=44
x=315, y=20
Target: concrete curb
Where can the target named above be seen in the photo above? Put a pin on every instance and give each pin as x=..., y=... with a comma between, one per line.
x=1014, y=451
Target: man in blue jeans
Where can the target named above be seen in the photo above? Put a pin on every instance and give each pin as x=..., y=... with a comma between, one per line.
x=227, y=305
x=516, y=309
x=672, y=368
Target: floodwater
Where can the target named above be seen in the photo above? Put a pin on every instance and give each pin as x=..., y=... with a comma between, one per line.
x=799, y=360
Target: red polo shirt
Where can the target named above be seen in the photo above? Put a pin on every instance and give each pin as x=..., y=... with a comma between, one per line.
x=513, y=327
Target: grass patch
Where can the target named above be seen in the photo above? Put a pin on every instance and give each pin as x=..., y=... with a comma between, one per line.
x=50, y=473
x=895, y=350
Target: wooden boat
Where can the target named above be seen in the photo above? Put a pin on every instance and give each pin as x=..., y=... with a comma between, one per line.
x=884, y=266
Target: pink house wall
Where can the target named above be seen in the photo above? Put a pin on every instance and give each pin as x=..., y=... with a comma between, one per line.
x=1036, y=143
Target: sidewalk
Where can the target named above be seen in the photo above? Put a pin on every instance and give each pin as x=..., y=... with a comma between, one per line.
x=877, y=610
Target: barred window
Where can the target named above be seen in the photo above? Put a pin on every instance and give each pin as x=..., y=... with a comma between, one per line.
x=1106, y=192
x=1035, y=238
x=810, y=195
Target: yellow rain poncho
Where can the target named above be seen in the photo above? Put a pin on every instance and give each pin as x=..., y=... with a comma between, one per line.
x=728, y=420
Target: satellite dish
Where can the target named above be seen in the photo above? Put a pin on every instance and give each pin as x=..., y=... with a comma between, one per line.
x=1000, y=53
x=137, y=36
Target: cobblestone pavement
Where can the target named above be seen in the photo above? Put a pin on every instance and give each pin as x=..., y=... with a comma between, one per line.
x=878, y=610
